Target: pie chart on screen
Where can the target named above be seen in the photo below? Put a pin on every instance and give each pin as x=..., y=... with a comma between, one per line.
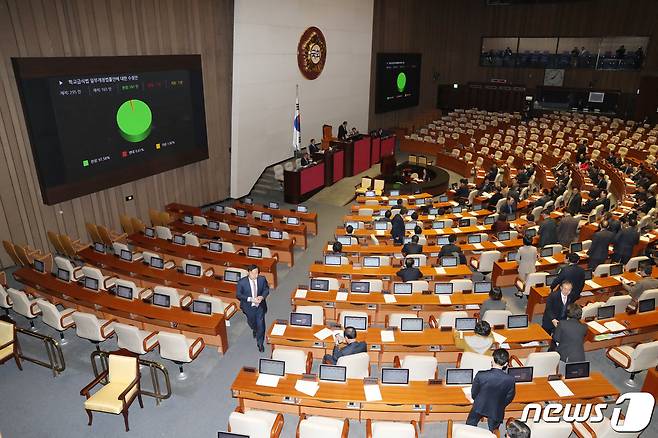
x=134, y=119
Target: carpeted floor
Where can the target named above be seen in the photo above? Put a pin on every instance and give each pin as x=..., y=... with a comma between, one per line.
x=34, y=404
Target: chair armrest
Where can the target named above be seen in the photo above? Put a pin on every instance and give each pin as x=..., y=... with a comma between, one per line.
x=34, y=308
x=513, y=358
x=145, y=293
x=123, y=394
x=587, y=427
x=277, y=427
x=146, y=340
x=118, y=236
x=63, y=316
x=228, y=314
x=396, y=362
x=107, y=324
x=3, y=346
x=432, y=322
x=346, y=429
x=186, y=300
x=368, y=428
x=413, y=423
x=620, y=351
x=197, y=341
x=76, y=271
x=106, y=281
x=309, y=362
x=85, y=391
x=3, y=278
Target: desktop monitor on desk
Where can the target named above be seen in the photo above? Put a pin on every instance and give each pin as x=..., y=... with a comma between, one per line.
x=202, y=307
x=443, y=288
x=156, y=262
x=266, y=217
x=459, y=376
x=161, y=300
x=521, y=374
x=99, y=247
x=402, y=288
x=517, y=321
x=302, y=209
x=531, y=232
x=394, y=193
x=381, y=225
x=63, y=274
x=410, y=226
x=482, y=287
x=272, y=367
x=358, y=322
x=319, y=284
x=616, y=269
x=371, y=262
x=126, y=255
x=301, y=319
x=213, y=225
x=178, y=239
x=124, y=291
x=344, y=240
x=193, y=270
x=546, y=252
x=503, y=235
x=588, y=274
x=255, y=252
x=231, y=276
x=549, y=279
x=188, y=220
x=276, y=234
x=449, y=261
x=465, y=324
x=512, y=256
x=442, y=240
x=240, y=213
x=215, y=246
x=443, y=198
x=332, y=260
x=273, y=205
x=489, y=220
x=576, y=370
x=605, y=312
x=395, y=376
x=91, y=283
x=333, y=373
x=39, y=266
x=474, y=238
x=292, y=220
x=149, y=232
x=242, y=230
x=576, y=247
x=647, y=305
x=360, y=287
x=438, y=225
x=411, y=324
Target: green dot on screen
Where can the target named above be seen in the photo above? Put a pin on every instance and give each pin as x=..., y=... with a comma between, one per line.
x=134, y=120
x=401, y=81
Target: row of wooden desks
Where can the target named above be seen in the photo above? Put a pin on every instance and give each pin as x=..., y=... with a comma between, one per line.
x=428, y=233
x=134, y=312
x=386, y=273
x=218, y=261
x=146, y=276
x=638, y=328
x=309, y=219
x=434, y=342
x=420, y=401
x=283, y=248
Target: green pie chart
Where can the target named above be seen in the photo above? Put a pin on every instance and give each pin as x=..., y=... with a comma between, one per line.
x=401, y=81
x=134, y=120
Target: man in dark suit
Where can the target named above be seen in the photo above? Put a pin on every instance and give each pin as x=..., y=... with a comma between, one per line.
x=567, y=229
x=352, y=346
x=451, y=248
x=569, y=335
x=462, y=191
x=412, y=247
x=556, y=307
x=547, y=232
x=252, y=291
x=624, y=242
x=397, y=227
x=492, y=391
x=598, y=250
x=313, y=148
x=573, y=274
x=575, y=202
x=409, y=272
x=342, y=131
x=508, y=207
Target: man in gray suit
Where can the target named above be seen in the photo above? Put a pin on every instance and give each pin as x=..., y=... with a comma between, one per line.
x=567, y=229
x=646, y=283
x=547, y=232
x=569, y=335
x=352, y=346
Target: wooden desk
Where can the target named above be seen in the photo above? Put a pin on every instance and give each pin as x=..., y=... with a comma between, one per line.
x=309, y=219
x=136, y=312
x=218, y=261
x=146, y=276
x=640, y=327
x=505, y=273
x=651, y=382
x=427, y=219
x=300, y=184
x=386, y=273
x=418, y=401
x=406, y=199
x=429, y=234
x=284, y=248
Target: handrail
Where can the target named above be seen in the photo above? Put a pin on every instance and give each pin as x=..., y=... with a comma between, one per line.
x=156, y=393
x=54, y=351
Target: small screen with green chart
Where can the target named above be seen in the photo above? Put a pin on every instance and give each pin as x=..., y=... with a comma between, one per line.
x=397, y=82
x=99, y=122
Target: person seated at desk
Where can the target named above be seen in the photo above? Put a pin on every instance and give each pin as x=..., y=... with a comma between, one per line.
x=353, y=132
x=494, y=302
x=517, y=429
x=306, y=159
x=451, y=248
x=648, y=282
x=497, y=196
x=412, y=247
x=337, y=249
x=492, y=391
x=530, y=222
x=545, y=197
x=480, y=342
x=569, y=335
x=409, y=272
x=313, y=148
x=508, y=207
x=342, y=131
x=462, y=192
x=352, y=346
x=501, y=224
x=556, y=307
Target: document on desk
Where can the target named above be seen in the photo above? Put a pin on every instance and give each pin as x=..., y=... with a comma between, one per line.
x=330, y=248
x=593, y=284
x=499, y=244
x=467, y=393
x=550, y=260
x=458, y=215
x=387, y=336
x=278, y=329
x=481, y=227
x=323, y=334
x=372, y=393
x=307, y=387
x=384, y=198
x=586, y=293
x=597, y=327
x=478, y=246
x=380, y=232
x=300, y=293
x=341, y=296
x=614, y=326
x=390, y=298
x=457, y=230
x=431, y=217
x=445, y=299
x=440, y=271
x=498, y=337
x=268, y=380
x=531, y=344
x=560, y=388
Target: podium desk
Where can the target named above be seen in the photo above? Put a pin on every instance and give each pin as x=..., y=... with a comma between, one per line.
x=301, y=184
x=309, y=219
x=218, y=261
x=284, y=249
x=419, y=401
x=212, y=328
x=640, y=327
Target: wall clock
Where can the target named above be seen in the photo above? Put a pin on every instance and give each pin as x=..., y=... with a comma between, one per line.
x=554, y=77
x=311, y=53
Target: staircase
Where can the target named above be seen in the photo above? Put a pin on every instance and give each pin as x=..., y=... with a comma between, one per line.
x=266, y=184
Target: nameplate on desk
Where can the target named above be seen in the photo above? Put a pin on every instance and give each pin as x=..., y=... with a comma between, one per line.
x=440, y=271
x=390, y=298
x=329, y=304
x=341, y=296
x=372, y=307
x=434, y=348
x=300, y=293
x=499, y=244
x=375, y=347
x=592, y=284
x=481, y=227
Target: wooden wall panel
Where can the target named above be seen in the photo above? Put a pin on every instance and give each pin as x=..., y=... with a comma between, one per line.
x=448, y=33
x=105, y=28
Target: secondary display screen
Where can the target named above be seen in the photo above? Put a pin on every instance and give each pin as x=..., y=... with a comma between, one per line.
x=398, y=81
x=98, y=122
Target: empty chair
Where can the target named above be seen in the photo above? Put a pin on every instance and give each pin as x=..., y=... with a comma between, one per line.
x=133, y=339
x=333, y=282
x=60, y=320
x=462, y=285
x=602, y=270
x=421, y=368
x=591, y=309
x=316, y=426
x=191, y=239
x=163, y=232
x=634, y=359
x=533, y=279
x=466, y=431
x=65, y=264
x=620, y=302
x=419, y=285
x=71, y=247
x=602, y=429
x=95, y=330
x=179, y=349
x=365, y=185
x=5, y=301
x=55, y=242
x=485, y=263
x=104, y=282
x=544, y=363
x=358, y=365
x=121, y=390
x=394, y=319
x=9, y=347
x=388, y=429
x=447, y=319
x=376, y=285
x=255, y=423
x=474, y=361
x=634, y=262
x=24, y=305
x=200, y=220
x=316, y=312
x=647, y=294
x=553, y=430
x=297, y=362
x=496, y=317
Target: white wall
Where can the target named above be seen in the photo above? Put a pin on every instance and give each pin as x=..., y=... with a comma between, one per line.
x=265, y=72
